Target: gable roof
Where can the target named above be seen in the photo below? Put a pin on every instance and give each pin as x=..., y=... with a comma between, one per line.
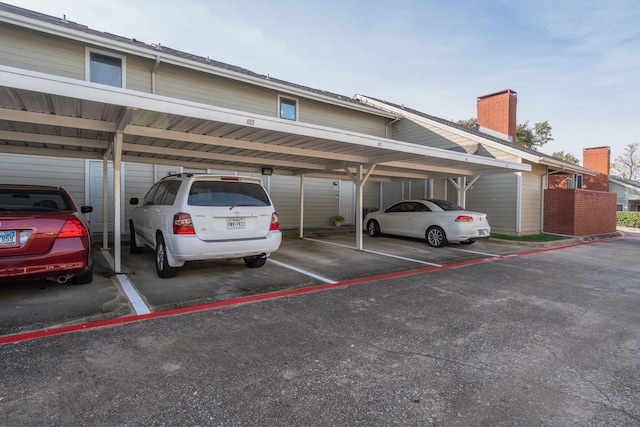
x=632, y=185
x=69, y=29
x=58, y=116
x=483, y=138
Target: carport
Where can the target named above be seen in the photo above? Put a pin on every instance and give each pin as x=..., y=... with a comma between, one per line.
x=41, y=114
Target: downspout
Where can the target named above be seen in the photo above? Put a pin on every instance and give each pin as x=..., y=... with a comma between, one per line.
x=153, y=74
x=388, y=126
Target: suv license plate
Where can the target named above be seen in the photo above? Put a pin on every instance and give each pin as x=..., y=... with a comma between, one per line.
x=236, y=223
x=7, y=238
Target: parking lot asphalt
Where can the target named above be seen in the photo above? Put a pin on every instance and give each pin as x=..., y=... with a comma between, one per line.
x=499, y=335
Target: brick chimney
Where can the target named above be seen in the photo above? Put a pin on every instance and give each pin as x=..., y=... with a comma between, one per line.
x=497, y=111
x=598, y=159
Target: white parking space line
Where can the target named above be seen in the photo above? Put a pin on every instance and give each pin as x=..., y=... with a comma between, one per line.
x=299, y=270
x=134, y=297
x=129, y=290
x=330, y=243
x=476, y=252
x=403, y=258
x=379, y=253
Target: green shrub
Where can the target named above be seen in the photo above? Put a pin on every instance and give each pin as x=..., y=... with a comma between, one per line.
x=628, y=219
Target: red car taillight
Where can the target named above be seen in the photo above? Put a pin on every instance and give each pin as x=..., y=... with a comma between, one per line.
x=464, y=218
x=183, y=224
x=73, y=228
x=275, y=222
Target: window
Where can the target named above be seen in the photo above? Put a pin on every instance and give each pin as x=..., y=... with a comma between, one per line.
x=105, y=68
x=288, y=109
x=221, y=193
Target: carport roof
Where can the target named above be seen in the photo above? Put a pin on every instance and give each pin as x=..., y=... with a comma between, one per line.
x=41, y=114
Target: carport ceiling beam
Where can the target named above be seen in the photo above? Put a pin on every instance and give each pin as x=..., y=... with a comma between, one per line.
x=219, y=157
x=53, y=139
x=240, y=144
x=36, y=151
x=188, y=164
x=56, y=120
x=381, y=172
x=451, y=170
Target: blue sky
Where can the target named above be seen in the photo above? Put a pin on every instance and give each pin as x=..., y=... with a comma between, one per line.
x=575, y=64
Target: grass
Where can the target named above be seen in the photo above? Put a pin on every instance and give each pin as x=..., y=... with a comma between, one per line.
x=529, y=238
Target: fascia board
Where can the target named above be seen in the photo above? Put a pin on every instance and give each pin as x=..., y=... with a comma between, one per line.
x=62, y=86
x=625, y=184
x=52, y=29
x=560, y=165
x=414, y=117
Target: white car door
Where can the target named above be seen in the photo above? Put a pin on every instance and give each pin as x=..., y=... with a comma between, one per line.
x=398, y=219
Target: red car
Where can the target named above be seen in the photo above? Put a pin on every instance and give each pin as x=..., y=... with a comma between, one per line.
x=43, y=235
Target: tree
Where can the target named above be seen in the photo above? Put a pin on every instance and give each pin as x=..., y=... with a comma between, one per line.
x=470, y=122
x=567, y=157
x=527, y=137
x=534, y=137
x=627, y=165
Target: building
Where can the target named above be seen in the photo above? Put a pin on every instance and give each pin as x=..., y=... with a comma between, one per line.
x=105, y=116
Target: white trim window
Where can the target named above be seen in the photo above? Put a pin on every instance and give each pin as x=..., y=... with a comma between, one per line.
x=105, y=68
x=287, y=108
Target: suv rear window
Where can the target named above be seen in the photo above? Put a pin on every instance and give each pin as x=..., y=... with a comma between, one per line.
x=224, y=193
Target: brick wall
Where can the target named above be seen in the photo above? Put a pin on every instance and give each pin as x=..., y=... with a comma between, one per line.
x=598, y=159
x=579, y=212
x=558, y=181
x=497, y=111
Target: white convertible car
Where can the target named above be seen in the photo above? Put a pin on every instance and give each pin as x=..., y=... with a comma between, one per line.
x=437, y=221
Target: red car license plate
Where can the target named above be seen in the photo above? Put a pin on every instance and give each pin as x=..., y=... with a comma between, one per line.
x=8, y=238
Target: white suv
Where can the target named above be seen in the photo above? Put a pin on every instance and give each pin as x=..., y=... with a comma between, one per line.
x=189, y=217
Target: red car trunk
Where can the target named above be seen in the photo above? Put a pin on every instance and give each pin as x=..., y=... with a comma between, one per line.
x=38, y=230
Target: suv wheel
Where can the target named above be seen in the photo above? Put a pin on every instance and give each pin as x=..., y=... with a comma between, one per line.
x=134, y=248
x=255, y=261
x=162, y=265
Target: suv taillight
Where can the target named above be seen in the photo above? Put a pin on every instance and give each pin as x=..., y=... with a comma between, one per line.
x=73, y=228
x=275, y=222
x=182, y=224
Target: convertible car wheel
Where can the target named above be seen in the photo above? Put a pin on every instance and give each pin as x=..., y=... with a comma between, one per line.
x=436, y=237
x=373, y=228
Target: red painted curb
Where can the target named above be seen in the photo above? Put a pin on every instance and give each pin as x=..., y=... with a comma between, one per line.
x=265, y=297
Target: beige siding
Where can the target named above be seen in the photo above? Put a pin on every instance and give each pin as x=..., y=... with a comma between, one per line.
x=439, y=189
x=199, y=87
x=139, y=179
x=496, y=196
x=285, y=193
x=139, y=74
x=531, y=221
x=41, y=170
x=371, y=196
x=497, y=154
x=392, y=192
x=409, y=131
x=41, y=53
x=317, y=113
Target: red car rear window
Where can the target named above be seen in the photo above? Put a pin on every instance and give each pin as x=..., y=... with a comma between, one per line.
x=33, y=200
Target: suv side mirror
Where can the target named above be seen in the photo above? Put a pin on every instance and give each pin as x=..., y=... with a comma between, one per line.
x=86, y=209
x=133, y=201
